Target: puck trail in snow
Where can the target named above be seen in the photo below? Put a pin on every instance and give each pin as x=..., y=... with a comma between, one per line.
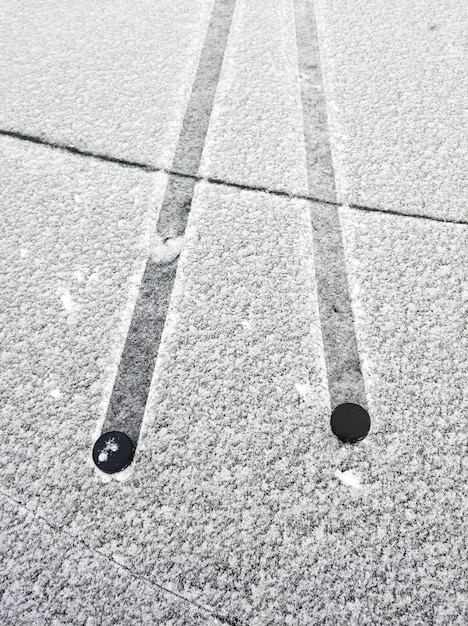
x=131, y=387
x=345, y=379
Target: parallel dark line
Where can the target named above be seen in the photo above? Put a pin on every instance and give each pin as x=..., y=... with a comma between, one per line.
x=320, y=174
x=345, y=380
x=216, y=181
x=128, y=400
x=136, y=367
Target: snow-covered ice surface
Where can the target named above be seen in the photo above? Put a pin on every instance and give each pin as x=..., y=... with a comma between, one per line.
x=396, y=82
x=100, y=75
x=49, y=578
x=249, y=488
x=57, y=369
x=320, y=172
x=237, y=500
x=241, y=506
x=259, y=94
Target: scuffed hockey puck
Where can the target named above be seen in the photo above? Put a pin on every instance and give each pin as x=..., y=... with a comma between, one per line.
x=113, y=452
x=350, y=422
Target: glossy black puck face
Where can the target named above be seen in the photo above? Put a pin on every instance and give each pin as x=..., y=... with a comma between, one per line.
x=350, y=422
x=113, y=452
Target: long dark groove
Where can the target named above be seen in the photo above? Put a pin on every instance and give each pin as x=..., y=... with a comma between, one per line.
x=131, y=387
x=321, y=178
x=345, y=380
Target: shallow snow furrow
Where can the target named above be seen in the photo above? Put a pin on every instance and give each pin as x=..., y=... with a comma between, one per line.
x=131, y=387
x=345, y=380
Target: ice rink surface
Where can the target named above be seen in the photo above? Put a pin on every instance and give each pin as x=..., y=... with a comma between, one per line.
x=299, y=172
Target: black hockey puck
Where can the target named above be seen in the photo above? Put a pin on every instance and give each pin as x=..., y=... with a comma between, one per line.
x=113, y=452
x=350, y=422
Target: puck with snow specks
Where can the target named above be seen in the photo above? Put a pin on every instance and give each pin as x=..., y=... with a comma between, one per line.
x=113, y=452
x=350, y=422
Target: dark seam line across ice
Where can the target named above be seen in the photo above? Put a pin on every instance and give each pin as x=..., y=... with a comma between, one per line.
x=218, y=181
x=131, y=387
x=345, y=379
x=74, y=150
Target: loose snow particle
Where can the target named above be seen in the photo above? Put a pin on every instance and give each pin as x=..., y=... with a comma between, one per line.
x=77, y=198
x=305, y=392
x=112, y=446
x=68, y=303
x=56, y=393
x=78, y=275
x=24, y=253
x=165, y=252
x=349, y=479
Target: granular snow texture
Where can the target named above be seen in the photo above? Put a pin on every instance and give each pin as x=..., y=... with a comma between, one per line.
x=396, y=83
x=49, y=578
x=259, y=94
x=101, y=75
x=241, y=506
x=241, y=499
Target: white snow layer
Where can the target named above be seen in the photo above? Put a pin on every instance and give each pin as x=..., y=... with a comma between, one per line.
x=229, y=502
x=349, y=479
x=256, y=135
x=110, y=77
x=395, y=76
